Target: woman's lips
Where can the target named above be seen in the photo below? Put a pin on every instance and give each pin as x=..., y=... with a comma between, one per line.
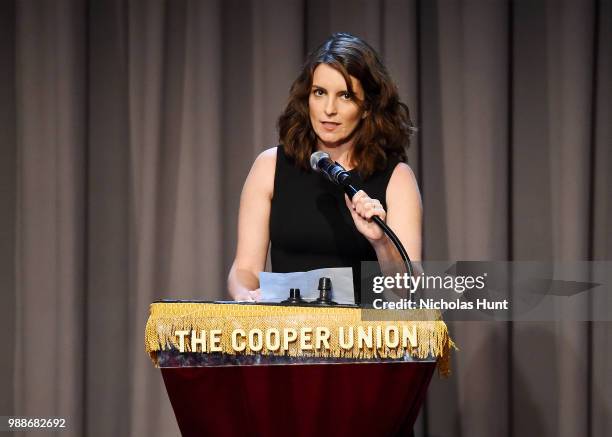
x=329, y=125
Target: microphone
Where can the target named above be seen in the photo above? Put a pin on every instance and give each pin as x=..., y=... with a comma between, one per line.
x=321, y=162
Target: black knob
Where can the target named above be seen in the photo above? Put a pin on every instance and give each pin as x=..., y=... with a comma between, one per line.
x=294, y=297
x=325, y=291
x=325, y=285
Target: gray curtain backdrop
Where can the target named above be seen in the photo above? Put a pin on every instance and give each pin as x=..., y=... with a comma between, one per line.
x=127, y=129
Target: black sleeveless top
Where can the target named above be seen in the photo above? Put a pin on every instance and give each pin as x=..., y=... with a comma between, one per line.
x=310, y=225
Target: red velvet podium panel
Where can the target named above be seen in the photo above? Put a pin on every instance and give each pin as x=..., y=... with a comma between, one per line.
x=348, y=399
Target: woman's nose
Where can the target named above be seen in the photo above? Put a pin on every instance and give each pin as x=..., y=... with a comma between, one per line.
x=330, y=106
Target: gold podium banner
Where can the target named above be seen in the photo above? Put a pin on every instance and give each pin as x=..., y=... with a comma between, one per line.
x=294, y=331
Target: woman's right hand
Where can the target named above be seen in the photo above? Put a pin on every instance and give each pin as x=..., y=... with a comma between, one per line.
x=248, y=295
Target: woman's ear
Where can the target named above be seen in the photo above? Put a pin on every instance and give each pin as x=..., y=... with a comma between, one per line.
x=365, y=114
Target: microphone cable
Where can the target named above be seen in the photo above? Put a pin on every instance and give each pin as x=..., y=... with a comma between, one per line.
x=321, y=162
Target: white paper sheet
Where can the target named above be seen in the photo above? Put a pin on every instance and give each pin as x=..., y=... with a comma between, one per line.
x=275, y=286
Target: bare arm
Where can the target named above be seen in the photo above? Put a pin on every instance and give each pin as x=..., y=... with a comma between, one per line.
x=404, y=216
x=253, y=228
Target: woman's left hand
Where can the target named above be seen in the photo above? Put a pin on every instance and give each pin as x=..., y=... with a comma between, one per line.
x=363, y=208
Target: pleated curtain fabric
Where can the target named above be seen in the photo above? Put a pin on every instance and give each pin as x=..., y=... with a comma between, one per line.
x=128, y=128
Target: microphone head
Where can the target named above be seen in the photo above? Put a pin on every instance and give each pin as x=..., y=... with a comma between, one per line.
x=315, y=158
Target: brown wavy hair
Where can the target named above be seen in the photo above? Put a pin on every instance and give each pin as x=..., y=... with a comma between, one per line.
x=386, y=130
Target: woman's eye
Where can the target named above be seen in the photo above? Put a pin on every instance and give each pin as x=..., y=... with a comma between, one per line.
x=346, y=96
x=318, y=92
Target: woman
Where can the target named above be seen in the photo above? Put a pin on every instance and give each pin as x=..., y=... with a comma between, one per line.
x=345, y=104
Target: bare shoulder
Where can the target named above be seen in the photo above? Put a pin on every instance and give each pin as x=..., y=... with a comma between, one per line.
x=266, y=160
x=261, y=176
x=403, y=184
x=402, y=177
x=268, y=155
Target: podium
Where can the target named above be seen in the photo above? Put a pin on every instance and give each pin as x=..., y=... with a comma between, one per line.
x=338, y=390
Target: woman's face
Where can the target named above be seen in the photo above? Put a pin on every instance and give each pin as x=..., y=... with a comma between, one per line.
x=334, y=114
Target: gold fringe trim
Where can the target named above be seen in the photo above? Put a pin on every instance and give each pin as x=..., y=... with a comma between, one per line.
x=165, y=319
